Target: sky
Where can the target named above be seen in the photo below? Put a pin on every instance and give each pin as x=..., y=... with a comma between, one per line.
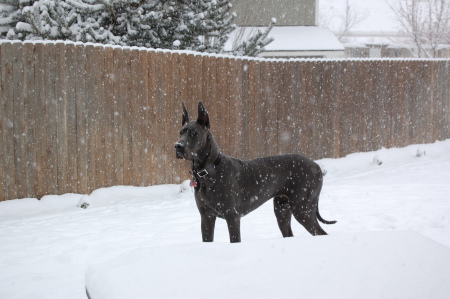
x=376, y=15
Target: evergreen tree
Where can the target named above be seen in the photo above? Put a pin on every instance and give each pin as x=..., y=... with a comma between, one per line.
x=200, y=25
x=10, y=15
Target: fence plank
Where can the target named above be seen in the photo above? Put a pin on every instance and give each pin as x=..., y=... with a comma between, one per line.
x=324, y=110
x=180, y=171
x=234, y=129
x=132, y=112
x=144, y=122
x=298, y=99
x=30, y=120
x=2, y=128
x=4, y=75
x=159, y=121
x=51, y=159
x=442, y=94
x=306, y=117
x=118, y=118
x=19, y=121
x=125, y=93
x=349, y=107
x=424, y=102
x=172, y=118
x=264, y=104
x=152, y=114
x=90, y=106
x=243, y=80
x=99, y=116
x=109, y=97
x=279, y=99
x=71, y=135
x=81, y=118
x=293, y=106
x=39, y=50
x=398, y=108
x=260, y=112
x=168, y=117
x=219, y=109
x=240, y=114
x=61, y=117
x=7, y=96
x=336, y=90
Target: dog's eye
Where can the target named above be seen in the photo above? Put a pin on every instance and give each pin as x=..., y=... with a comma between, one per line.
x=193, y=133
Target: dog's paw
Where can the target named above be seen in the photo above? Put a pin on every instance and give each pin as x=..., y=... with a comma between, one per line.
x=84, y=202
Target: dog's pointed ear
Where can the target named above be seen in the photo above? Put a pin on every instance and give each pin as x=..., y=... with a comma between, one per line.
x=185, y=115
x=203, y=117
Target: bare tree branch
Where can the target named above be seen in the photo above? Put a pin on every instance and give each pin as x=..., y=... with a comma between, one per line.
x=425, y=24
x=346, y=21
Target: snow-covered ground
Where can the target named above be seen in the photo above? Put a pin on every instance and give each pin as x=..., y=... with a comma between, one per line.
x=47, y=246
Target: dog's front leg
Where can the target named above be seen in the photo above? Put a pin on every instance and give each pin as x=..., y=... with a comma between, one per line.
x=208, y=224
x=234, y=228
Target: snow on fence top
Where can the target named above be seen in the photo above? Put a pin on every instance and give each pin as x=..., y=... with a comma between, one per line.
x=229, y=56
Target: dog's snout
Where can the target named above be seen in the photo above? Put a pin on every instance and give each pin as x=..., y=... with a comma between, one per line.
x=179, y=149
x=179, y=145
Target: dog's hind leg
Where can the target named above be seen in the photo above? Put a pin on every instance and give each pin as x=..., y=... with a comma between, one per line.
x=283, y=213
x=304, y=208
x=309, y=221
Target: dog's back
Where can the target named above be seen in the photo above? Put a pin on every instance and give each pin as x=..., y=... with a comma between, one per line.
x=289, y=175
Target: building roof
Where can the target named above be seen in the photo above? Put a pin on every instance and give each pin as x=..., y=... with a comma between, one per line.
x=293, y=38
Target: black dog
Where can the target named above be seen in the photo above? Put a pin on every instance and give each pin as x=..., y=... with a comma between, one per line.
x=229, y=188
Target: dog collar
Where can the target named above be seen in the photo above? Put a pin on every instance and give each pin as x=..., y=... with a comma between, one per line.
x=209, y=169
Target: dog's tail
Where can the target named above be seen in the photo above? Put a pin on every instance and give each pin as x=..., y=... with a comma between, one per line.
x=323, y=220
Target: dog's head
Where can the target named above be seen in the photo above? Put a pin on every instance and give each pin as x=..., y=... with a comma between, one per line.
x=193, y=134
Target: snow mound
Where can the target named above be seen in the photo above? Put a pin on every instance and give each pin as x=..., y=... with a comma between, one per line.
x=361, y=265
x=185, y=187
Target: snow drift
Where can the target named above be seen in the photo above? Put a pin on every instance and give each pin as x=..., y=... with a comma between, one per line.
x=407, y=266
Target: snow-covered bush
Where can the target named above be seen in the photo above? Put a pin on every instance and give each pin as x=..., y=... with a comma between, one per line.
x=199, y=25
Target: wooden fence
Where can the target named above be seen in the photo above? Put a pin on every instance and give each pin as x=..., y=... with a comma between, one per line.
x=78, y=117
